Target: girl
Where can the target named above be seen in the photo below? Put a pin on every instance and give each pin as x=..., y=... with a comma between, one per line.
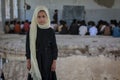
x=41, y=48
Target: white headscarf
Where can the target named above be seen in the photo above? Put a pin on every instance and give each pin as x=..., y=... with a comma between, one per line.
x=33, y=33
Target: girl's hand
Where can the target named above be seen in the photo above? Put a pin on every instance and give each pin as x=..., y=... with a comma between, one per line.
x=28, y=64
x=53, y=67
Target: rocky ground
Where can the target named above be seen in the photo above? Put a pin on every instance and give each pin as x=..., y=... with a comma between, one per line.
x=80, y=57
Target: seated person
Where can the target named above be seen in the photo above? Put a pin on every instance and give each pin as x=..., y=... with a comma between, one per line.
x=12, y=27
x=107, y=30
x=64, y=29
x=74, y=28
x=82, y=29
x=54, y=26
x=7, y=27
x=17, y=28
x=60, y=26
x=26, y=26
x=116, y=31
x=93, y=30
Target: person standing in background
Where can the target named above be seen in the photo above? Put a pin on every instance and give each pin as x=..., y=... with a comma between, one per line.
x=55, y=16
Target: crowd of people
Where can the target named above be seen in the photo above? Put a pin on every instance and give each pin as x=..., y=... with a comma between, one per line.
x=81, y=28
x=77, y=27
x=19, y=27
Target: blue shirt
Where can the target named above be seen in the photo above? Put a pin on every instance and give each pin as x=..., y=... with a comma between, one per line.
x=116, y=32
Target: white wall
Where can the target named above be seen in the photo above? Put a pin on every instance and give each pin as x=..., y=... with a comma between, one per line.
x=102, y=14
x=94, y=11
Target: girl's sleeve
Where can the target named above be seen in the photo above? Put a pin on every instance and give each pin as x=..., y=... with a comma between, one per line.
x=54, y=47
x=27, y=46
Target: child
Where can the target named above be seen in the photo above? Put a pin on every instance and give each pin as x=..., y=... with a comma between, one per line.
x=116, y=31
x=22, y=26
x=83, y=29
x=64, y=29
x=7, y=27
x=17, y=28
x=26, y=26
x=41, y=48
x=93, y=30
x=12, y=27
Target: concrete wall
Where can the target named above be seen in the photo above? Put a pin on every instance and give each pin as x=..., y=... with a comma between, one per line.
x=93, y=10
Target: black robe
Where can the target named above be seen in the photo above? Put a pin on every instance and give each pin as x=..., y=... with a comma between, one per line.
x=46, y=51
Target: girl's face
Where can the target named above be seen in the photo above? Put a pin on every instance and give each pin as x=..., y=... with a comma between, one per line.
x=42, y=17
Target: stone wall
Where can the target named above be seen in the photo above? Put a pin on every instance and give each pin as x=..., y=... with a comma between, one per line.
x=80, y=58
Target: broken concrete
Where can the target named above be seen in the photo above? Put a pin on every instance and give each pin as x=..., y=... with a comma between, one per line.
x=80, y=57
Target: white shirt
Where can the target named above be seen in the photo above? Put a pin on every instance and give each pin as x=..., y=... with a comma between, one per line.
x=22, y=25
x=93, y=31
x=82, y=30
x=102, y=28
x=12, y=26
